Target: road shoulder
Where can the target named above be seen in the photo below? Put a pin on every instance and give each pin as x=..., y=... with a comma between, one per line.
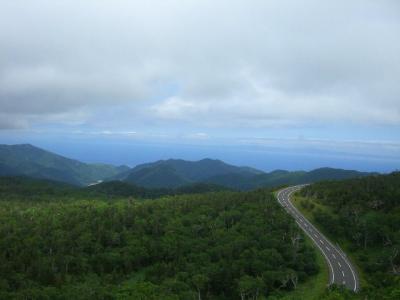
x=296, y=201
x=315, y=287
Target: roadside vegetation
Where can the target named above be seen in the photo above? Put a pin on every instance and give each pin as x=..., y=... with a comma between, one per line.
x=363, y=215
x=315, y=287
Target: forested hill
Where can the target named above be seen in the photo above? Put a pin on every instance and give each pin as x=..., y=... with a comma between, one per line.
x=282, y=177
x=34, y=162
x=175, y=173
x=365, y=215
x=23, y=188
x=31, y=161
x=222, y=245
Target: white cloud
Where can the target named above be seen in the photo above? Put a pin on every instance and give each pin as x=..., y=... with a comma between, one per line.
x=179, y=109
x=233, y=63
x=11, y=122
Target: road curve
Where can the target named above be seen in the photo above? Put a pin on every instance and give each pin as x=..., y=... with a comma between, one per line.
x=341, y=271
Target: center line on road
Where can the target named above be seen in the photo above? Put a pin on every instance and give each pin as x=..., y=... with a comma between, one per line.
x=284, y=197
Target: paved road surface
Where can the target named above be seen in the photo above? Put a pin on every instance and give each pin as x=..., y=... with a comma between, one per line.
x=341, y=271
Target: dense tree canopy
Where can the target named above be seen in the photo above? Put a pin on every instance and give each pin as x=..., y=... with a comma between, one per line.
x=222, y=245
x=30, y=189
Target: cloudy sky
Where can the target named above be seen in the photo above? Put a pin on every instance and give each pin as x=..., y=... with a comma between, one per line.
x=291, y=84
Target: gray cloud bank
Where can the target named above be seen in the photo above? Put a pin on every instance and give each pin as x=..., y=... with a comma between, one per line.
x=214, y=63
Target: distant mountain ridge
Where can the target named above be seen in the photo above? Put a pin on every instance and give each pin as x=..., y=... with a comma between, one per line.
x=28, y=160
x=32, y=161
x=174, y=173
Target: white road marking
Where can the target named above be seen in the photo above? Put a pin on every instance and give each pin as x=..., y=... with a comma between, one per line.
x=326, y=257
x=284, y=198
x=339, y=264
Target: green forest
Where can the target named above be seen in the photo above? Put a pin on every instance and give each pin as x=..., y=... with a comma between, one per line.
x=22, y=188
x=364, y=215
x=220, y=245
x=119, y=241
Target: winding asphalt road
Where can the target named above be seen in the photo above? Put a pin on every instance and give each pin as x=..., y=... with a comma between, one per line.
x=341, y=271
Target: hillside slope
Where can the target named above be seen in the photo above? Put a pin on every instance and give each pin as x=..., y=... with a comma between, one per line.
x=175, y=173
x=159, y=176
x=34, y=162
